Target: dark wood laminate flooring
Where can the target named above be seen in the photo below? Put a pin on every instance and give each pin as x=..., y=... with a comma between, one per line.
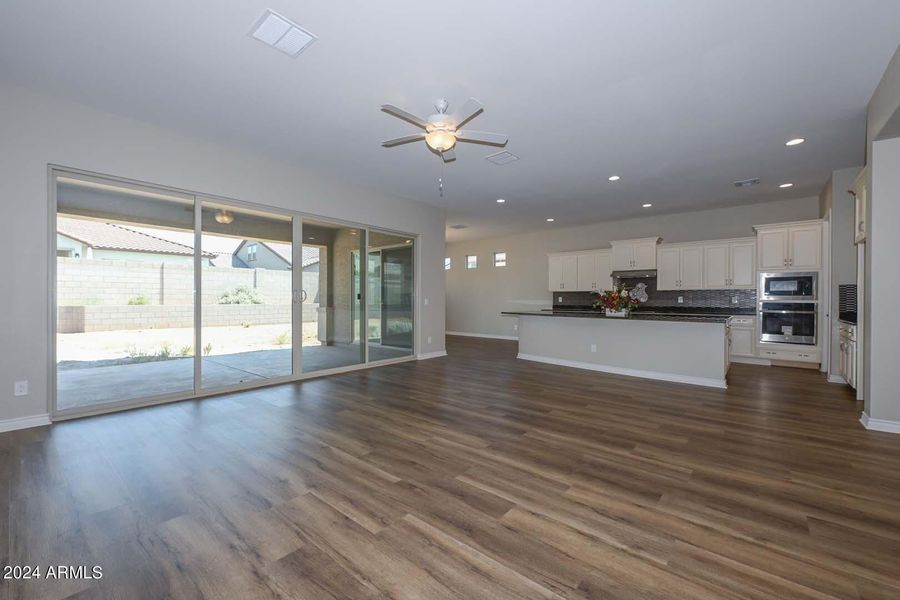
x=467, y=477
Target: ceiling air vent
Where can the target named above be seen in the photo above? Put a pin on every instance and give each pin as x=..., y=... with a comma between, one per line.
x=746, y=182
x=458, y=226
x=282, y=34
x=501, y=158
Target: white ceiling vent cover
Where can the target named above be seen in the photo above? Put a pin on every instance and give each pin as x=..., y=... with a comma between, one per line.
x=501, y=158
x=282, y=34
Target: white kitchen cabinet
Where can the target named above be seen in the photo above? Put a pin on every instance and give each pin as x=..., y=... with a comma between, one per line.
x=563, y=273
x=860, y=191
x=848, y=368
x=790, y=246
x=743, y=336
x=742, y=264
x=679, y=267
x=729, y=264
x=715, y=266
x=593, y=269
x=633, y=255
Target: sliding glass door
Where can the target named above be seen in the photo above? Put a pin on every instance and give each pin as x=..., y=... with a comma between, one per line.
x=391, y=284
x=332, y=295
x=246, y=302
x=124, y=292
x=162, y=295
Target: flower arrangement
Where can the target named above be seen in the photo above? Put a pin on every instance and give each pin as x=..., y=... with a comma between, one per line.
x=616, y=300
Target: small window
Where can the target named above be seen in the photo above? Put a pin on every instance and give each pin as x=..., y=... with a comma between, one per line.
x=447, y=263
x=251, y=252
x=471, y=261
x=499, y=259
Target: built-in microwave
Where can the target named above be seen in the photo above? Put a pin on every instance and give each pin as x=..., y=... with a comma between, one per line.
x=788, y=286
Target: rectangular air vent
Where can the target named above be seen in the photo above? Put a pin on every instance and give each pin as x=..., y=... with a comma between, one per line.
x=746, y=182
x=501, y=158
x=282, y=34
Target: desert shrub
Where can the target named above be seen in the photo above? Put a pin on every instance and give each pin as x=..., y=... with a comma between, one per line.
x=241, y=295
x=139, y=300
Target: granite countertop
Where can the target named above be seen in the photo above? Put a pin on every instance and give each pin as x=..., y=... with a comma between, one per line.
x=682, y=310
x=847, y=317
x=635, y=316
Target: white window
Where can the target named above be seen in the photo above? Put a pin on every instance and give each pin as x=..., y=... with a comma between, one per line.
x=499, y=259
x=471, y=261
x=251, y=252
x=447, y=263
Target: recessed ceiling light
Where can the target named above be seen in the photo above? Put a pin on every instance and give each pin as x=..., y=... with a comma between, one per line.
x=786, y=185
x=550, y=220
x=795, y=142
x=500, y=201
x=282, y=34
x=646, y=205
x=614, y=178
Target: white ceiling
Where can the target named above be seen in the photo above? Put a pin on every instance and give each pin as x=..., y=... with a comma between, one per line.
x=679, y=98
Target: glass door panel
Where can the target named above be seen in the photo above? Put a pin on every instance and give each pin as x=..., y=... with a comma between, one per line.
x=392, y=274
x=246, y=295
x=332, y=296
x=124, y=292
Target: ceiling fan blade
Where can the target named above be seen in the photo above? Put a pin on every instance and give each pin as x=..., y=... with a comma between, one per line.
x=402, y=114
x=448, y=155
x=482, y=137
x=403, y=140
x=468, y=111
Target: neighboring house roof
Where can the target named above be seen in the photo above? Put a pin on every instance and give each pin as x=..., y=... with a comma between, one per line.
x=283, y=251
x=111, y=236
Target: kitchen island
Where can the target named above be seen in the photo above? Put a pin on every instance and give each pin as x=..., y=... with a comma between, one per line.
x=684, y=348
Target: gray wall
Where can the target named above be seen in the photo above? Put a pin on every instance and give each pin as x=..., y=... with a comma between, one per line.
x=38, y=129
x=881, y=330
x=476, y=297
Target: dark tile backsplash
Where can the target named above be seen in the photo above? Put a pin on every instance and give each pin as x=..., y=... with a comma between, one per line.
x=847, y=297
x=731, y=299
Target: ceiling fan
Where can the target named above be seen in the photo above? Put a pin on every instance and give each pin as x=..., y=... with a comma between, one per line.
x=442, y=130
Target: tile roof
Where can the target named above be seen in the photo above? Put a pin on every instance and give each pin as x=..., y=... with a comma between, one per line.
x=112, y=236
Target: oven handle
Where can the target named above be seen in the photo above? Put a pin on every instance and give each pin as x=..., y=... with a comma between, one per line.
x=788, y=312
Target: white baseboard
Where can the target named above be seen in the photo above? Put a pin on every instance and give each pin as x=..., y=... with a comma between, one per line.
x=427, y=355
x=879, y=424
x=751, y=360
x=484, y=335
x=832, y=378
x=24, y=422
x=673, y=377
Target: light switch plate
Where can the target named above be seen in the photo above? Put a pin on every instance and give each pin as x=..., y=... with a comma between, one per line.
x=426, y=301
x=429, y=339
x=20, y=388
x=593, y=347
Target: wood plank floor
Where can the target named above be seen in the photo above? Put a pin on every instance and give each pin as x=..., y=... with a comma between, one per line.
x=467, y=477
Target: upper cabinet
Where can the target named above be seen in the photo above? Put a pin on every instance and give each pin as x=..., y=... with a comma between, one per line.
x=634, y=255
x=581, y=271
x=860, y=191
x=679, y=267
x=563, y=273
x=718, y=264
x=790, y=246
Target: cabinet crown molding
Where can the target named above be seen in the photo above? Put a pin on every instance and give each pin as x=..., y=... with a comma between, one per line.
x=787, y=224
x=636, y=241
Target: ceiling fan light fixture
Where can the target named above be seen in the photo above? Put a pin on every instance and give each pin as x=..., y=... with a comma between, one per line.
x=224, y=217
x=440, y=139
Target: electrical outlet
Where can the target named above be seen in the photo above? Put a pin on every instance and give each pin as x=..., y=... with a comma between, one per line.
x=428, y=339
x=734, y=299
x=20, y=388
x=593, y=347
x=515, y=326
x=559, y=299
x=426, y=301
x=680, y=299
